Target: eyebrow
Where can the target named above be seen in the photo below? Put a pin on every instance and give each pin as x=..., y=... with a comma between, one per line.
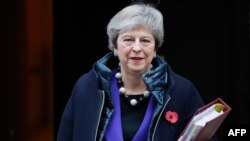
x=150, y=37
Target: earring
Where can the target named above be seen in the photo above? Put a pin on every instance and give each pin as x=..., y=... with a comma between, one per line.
x=151, y=67
x=154, y=55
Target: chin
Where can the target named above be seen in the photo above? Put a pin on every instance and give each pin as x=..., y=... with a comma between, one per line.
x=139, y=69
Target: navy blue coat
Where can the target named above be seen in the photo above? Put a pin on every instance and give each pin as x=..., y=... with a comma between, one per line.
x=82, y=119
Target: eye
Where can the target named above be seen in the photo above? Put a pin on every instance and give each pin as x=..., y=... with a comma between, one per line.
x=146, y=40
x=128, y=40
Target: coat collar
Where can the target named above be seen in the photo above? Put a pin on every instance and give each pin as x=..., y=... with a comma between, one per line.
x=156, y=79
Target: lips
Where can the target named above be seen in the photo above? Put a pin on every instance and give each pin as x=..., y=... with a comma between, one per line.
x=136, y=58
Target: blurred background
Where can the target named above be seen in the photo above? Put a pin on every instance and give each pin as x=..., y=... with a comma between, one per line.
x=46, y=45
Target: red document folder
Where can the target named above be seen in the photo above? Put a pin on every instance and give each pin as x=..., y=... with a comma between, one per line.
x=206, y=132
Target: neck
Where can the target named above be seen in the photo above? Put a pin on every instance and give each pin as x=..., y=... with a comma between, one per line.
x=133, y=83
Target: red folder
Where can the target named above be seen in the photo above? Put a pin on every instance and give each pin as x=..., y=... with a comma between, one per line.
x=211, y=126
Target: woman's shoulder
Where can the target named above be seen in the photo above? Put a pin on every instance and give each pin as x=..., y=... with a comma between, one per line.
x=178, y=79
x=183, y=88
x=86, y=85
x=87, y=79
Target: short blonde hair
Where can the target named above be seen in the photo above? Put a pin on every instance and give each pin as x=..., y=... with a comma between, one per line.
x=133, y=16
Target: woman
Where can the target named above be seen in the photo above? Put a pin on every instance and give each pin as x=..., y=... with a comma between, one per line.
x=131, y=93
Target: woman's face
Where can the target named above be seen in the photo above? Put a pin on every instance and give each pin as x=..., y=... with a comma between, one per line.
x=135, y=49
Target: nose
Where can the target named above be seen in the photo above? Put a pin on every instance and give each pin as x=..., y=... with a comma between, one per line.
x=137, y=47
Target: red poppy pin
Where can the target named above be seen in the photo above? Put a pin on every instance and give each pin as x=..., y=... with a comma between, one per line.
x=171, y=116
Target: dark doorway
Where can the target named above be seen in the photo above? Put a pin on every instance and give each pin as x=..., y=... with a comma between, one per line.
x=205, y=41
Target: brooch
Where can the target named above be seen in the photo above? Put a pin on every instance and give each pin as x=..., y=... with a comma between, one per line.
x=171, y=116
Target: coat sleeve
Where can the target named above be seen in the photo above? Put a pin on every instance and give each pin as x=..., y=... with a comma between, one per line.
x=195, y=101
x=65, y=131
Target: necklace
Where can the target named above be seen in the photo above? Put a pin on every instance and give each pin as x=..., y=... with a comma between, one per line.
x=122, y=91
